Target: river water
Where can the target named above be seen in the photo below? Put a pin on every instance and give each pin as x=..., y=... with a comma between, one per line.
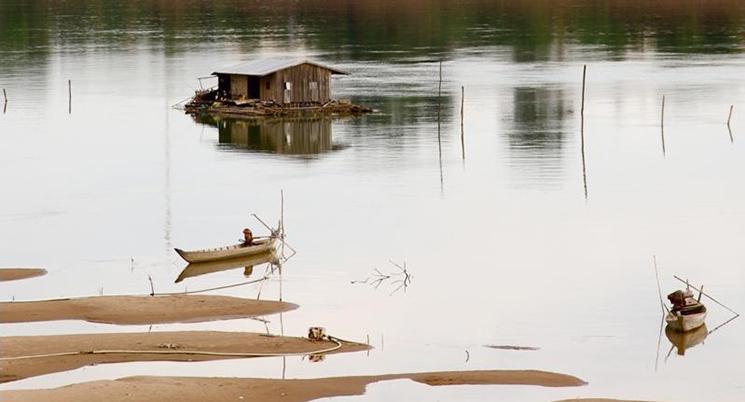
x=509, y=237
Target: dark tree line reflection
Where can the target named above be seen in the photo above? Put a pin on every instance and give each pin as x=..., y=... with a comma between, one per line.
x=381, y=29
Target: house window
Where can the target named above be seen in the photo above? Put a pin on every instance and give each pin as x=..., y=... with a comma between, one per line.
x=287, y=92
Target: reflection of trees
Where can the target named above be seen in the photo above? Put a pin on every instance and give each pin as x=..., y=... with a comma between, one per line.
x=536, y=131
x=24, y=41
x=379, y=29
x=289, y=136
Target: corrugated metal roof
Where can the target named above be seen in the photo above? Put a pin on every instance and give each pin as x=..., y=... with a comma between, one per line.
x=268, y=65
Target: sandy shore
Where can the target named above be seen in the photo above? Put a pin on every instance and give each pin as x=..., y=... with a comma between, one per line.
x=140, y=309
x=269, y=390
x=174, y=344
x=14, y=274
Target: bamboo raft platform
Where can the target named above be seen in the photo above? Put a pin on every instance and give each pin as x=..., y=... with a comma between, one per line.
x=206, y=102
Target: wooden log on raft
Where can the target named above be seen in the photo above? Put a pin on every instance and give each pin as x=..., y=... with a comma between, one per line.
x=207, y=102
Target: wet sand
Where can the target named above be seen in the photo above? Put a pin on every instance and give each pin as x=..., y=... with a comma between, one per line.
x=511, y=347
x=170, y=343
x=233, y=389
x=597, y=400
x=140, y=309
x=14, y=274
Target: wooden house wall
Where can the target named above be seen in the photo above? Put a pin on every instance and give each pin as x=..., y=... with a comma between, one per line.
x=238, y=86
x=273, y=85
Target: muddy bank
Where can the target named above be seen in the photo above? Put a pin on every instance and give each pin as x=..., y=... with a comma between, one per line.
x=161, y=346
x=233, y=389
x=140, y=309
x=14, y=274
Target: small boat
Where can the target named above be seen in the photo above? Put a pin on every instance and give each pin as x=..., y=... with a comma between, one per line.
x=687, y=313
x=224, y=253
x=203, y=268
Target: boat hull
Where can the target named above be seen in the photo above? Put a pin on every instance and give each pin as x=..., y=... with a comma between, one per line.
x=685, y=323
x=229, y=252
x=203, y=268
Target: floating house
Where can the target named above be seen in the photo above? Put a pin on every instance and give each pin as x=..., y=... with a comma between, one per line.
x=280, y=80
x=275, y=86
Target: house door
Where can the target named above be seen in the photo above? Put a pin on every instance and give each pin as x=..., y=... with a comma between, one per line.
x=254, y=85
x=288, y=92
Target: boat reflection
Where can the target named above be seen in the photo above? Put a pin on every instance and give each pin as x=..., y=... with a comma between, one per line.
x=287, y=136
x=247, y=263
x=686, y=340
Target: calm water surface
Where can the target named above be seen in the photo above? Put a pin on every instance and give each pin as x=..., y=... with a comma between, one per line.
x=503, y=244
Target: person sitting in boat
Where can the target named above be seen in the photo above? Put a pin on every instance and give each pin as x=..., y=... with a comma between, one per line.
x=248, y=237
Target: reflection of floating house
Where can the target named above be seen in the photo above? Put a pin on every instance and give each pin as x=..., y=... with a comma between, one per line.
x=275, y=86
x=281, y=80
x=288, y=136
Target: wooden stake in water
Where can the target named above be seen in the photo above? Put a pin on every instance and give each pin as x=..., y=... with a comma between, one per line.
x=582, y=150
x=584, y=76
x=152, y=288
x=69, y=96
x=439, y=137
x=5, y=95
x=582, y=131
x=439, y=86
x=662, y=125
x=729, y=118
x=462, y=136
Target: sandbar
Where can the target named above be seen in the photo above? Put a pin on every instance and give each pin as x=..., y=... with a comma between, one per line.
x=131, y=347
x=14, y=274
x=140, y=310
x=147, y=388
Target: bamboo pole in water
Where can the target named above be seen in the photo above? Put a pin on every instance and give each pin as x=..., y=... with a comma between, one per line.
x=659, y=288
x=709, y=297
x=69, y=96
x=5, y=95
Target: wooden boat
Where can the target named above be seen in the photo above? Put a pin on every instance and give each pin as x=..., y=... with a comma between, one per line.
x=203, y=268
x=687, y=313
x=228, y=252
